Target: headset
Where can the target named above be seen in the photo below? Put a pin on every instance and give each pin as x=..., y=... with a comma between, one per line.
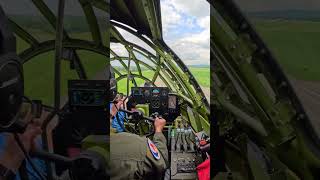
x=11, y=80
x=112, y=82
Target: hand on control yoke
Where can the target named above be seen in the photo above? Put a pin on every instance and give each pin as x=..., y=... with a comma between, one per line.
x=159, y=123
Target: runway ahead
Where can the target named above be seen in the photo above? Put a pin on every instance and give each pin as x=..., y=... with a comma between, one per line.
x=309, y=94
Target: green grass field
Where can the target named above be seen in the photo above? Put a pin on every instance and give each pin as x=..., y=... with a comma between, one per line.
x=202, y=75
x=39, y=71
x=296, y=44
x=122, y=84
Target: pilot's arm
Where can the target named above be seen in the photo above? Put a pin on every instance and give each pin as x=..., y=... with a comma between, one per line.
x=11, y=156
x=157, y=163
x=135, y=157
x=115, y=107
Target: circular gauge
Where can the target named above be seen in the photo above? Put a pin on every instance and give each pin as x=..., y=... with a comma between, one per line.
x=155, y=104
x=86, y=98
x=155, y=92
x=136, y=92
x=147, y=93
x=164, y=104
x=164, y=93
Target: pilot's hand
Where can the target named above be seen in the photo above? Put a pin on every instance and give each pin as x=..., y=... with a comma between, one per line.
x=159, y=123
x=13, y=156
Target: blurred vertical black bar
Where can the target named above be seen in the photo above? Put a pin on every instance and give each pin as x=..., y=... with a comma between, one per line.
x=108, y=75
x=108, y=63
x=58, y=53
x=217, y=148
x=57, y=70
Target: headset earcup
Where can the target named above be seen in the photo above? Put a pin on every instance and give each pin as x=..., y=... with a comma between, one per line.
x=11, y=76
x=113, y=85
x=11, y=89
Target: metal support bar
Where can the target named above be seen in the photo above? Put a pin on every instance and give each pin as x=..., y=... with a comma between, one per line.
x=121, y=61
x=92, y=21
x=142, y=63
x=58, y=54
x=148, y=6
x=133, y=75
x=101, y=4
x=158, y=69
x=79, y=67
x=23, y=34
x=75, y=44
x=51, y=18
x=121, y=39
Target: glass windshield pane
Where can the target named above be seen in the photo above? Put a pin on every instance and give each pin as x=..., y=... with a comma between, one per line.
x=26, y=15
x=75, y=22
x=102, y=22
x=186, y=29
x=39, y=81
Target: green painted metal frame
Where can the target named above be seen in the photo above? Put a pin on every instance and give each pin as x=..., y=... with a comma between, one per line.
x=92, y=21
x=273, y=124
x=167, y=69
x=149, y=7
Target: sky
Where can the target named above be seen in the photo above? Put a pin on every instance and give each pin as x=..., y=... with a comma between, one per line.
x=186, y=29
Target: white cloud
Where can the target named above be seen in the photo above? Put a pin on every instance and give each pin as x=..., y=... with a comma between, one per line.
x=119, y=49
x=194, y=48
x=186, y=29
x=179, y=13
x=197, y=8
x=183, y=16
x=204, y=22
x=170, y=16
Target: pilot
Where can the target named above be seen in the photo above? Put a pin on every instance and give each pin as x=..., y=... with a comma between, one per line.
x=147, y=84
x=11, y=156
x=117, y=122
x=135, y=157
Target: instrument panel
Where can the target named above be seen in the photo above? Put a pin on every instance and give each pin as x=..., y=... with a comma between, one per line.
x=87, y=98
x=87, y=107
x=159, y=99
x=87, y=93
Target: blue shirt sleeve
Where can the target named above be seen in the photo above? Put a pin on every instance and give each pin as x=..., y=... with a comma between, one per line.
x=115, y=123
x=40, y=165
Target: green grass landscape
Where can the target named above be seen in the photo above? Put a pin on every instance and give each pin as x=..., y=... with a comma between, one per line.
x=296, y=44
x=202, y=75
x=39, y=71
